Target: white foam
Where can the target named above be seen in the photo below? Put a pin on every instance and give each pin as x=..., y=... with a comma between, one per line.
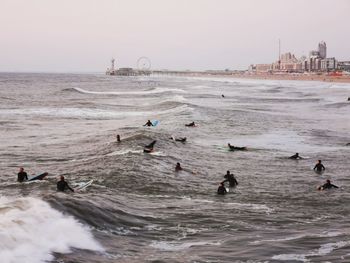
x=143, y=92
x=123, y=152
x=30, y=231
x=325, y=249
x=177, y=246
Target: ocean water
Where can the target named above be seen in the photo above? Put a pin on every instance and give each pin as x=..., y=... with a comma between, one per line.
x=139, y=209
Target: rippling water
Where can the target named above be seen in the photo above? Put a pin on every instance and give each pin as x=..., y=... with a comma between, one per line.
x=138, y=208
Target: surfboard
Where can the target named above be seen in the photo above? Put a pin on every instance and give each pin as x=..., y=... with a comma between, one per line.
x=38, y=177
x=155, y=123
x=82, y=186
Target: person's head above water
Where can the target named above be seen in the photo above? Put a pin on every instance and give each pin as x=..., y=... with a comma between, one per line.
x=297, y=154
x=228, y=172
x=328, y=181
x=62, y=178
x=21, y=169
x=319, y=161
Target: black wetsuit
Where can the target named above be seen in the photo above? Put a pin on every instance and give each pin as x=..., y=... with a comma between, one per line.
x=149, y=148
x=231, y=179
x=319, y=167
x=181, y=139
x=295, y=156
x=328, y=186
x=233, y=148
x=148, y=124
x=62, y=186
x=221, y=190
x=22, y=176
x=151, y=145
x=190, y=124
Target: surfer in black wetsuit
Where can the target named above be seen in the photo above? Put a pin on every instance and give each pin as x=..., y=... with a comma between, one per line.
x=192, y=124
x=295, y=156
x=148, y=123
x=149, y=148
x=233, y=148
x=118, y=138
x=231, y=179
x=62, y=185
x=178, y=167
x=319, y=167
x=222, y=189
x=181, y=139
x=327, y=185
x=22, y=175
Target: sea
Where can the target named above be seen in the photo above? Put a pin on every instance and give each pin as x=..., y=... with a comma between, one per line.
x=138, y=208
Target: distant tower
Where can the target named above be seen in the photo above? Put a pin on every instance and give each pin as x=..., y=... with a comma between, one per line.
x=112, y=64
x=322, y=49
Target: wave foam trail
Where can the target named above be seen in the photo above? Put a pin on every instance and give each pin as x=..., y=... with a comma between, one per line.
x=143, y=92
x=30, y=231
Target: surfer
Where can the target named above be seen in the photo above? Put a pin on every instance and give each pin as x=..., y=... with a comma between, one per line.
x=62, y=185
x=222, y=189
x=118, y=138
x=149, y=148
x=222, y=95
x=148, y=123
x=233, y=148
x=192, y=124
x=178, y=167
x=231, y=179
x=319, y=167
x=181, y=139
x=22, y=175
x=296, y=157
x=327, y=185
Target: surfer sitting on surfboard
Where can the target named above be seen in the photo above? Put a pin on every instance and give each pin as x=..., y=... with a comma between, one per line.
x=22, y=175
x=319, y=167
x=149, y=148
x=62, y=185
x=327, y=185
x=148, y=123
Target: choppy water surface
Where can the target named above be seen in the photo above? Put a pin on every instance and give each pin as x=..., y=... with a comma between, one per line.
x=139, y=209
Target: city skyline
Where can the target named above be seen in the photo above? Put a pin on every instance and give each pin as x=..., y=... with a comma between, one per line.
x=82, y=36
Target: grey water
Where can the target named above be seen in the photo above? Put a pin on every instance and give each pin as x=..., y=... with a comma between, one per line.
x=139, y=209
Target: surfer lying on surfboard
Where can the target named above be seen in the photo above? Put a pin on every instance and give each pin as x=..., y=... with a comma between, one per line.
x=327, y=185
x=235, y=148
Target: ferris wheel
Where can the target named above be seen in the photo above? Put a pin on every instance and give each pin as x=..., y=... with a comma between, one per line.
x=144, y=63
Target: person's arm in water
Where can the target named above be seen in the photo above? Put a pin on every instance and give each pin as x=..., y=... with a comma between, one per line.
x=322, y=167
x=69, y=187
x=334, y=186
x=25, y=176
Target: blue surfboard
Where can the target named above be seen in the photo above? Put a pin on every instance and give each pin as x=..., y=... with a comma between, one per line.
x=38, y=177
x=155, y=123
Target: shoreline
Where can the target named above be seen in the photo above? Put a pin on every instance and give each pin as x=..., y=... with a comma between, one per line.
x=321, y=78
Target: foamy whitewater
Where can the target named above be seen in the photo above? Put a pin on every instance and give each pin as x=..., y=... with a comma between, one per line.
x=139, y=209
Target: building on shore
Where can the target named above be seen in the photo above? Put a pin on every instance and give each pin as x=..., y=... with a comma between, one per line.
x=317, y=62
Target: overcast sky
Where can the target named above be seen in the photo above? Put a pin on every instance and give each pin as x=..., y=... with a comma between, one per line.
x=83, y=35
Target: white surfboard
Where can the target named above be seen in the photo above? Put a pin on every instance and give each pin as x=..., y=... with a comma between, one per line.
x=82, y=186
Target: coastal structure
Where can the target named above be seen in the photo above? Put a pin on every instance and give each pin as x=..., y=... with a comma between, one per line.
x=126, y=71
x=316, y=62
